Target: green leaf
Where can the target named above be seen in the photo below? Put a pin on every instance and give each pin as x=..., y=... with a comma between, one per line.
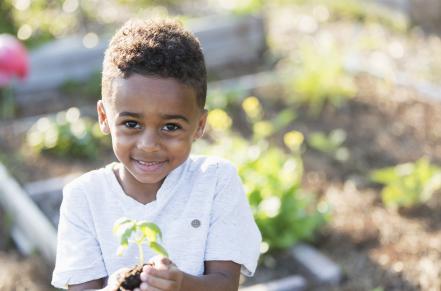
x=127, y=233
x=150, y=230
x=384, y=176
x=158, y=249
x=117, y=225
x=283, y=119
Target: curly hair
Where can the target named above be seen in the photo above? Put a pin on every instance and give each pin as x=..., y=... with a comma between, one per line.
x=161, y=48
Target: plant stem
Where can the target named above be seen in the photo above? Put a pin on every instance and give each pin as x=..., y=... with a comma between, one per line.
x=141, y=253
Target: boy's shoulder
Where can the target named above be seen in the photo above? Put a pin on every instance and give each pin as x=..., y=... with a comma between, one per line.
x=92, y=177
x=207, y=163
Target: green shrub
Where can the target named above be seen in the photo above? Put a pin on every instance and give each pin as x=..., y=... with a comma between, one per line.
x=67, y=135
x=320, y=78
x=272, y=176
x=408, y=184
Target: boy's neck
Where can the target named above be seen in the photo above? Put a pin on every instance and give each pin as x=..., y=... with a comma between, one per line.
x=143, y=193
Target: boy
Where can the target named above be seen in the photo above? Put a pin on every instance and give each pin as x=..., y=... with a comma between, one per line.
x=153, y=96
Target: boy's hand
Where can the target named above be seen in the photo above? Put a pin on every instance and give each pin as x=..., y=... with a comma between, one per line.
x=163, y=275
x=112, y=283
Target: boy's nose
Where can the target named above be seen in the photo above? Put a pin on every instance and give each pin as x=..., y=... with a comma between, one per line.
x=149, y=141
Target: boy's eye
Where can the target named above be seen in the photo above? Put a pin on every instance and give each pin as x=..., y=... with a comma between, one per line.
x=132, y=124
x=171, y=127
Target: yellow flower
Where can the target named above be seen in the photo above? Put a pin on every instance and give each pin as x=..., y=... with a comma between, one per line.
x=262, y=129
x=252, y=107
x=293, y=139
x=219, y=120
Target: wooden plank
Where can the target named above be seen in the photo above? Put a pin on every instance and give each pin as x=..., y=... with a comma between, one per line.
x=27, y=217
x=322, y=270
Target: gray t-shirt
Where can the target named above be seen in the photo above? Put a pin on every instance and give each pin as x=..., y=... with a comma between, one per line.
x=201, y=209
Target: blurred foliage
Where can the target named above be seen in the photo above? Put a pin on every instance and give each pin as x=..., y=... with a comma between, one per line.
x=367, y=12
x=331, y=144
x=6, y=226
x=68, y=135
x=360, y=11
x=264, y=128
x=351, y=10
x=271, y=175
x=222, y=99
x=7, y=25
x=37, y=21
x=408, y=184
x=7, y=103
x=91, y=88
x=243, y=7
x=320, y=78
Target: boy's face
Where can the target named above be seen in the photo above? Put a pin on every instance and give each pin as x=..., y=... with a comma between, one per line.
x=153, y=122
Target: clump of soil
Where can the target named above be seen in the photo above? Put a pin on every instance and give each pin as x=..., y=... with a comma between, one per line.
x=130, y=279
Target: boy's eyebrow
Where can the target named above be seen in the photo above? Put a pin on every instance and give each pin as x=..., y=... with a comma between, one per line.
x=163, y=116
x=132, y=114
x=175, y=116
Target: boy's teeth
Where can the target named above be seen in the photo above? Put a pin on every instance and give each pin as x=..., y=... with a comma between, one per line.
x=149, y=163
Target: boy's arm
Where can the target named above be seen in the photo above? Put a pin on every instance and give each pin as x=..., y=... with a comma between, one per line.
x=90, y=285
x=219, y=275
x=102, y=284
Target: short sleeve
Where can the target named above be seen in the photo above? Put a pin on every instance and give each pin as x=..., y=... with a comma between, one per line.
x=233, y=234
x=79, y=257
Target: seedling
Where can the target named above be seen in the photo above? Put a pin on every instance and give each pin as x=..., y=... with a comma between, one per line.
x=138, y=232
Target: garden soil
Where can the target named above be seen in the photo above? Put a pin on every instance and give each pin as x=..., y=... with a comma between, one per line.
x=20, y=273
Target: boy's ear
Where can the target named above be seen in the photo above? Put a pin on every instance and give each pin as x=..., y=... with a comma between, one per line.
x=102, y=117
x=201, y=125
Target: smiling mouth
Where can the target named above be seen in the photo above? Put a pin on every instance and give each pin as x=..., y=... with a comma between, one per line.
x=151, y=166
x=149, y=163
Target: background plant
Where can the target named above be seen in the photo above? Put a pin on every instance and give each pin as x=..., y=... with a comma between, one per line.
x=67, y=135
x=37, y=21
x=320, y=78
x=331, y=144
x=284, y=212
x=408, y=184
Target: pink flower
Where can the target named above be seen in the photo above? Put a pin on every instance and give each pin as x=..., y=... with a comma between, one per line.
x=13, y=59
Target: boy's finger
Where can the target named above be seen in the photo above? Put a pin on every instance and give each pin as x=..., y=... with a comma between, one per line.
x=169, y=274
x=160, y=262
x=160, y=283
x=145, y=287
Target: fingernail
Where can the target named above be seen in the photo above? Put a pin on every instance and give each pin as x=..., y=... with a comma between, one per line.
x=144, y=286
